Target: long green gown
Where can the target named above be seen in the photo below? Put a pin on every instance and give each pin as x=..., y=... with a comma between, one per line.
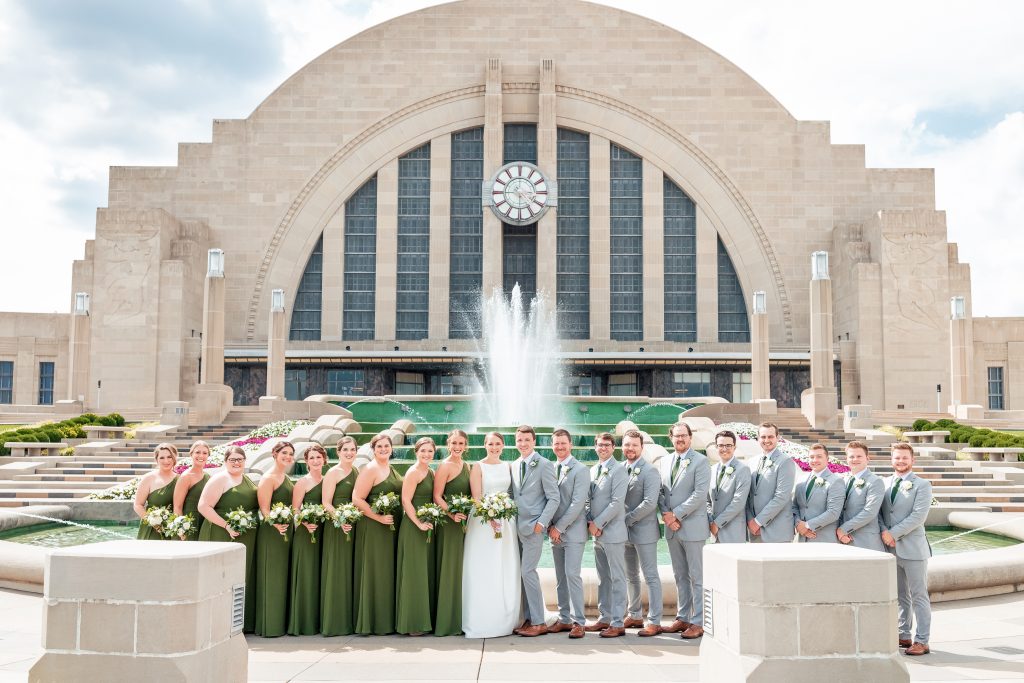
x=450, y=538
x=273, y=556
x=336, y=567
x=304, y=603
x=158, y=498
x=375, y=566
x=416, y=592
x=191, y=505
x=241, y=496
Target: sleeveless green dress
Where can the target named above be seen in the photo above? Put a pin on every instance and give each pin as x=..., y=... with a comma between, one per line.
x=191, y=504
x=450, y=539
x=375, y=566
x=273, y=556
x=416, y=592
x=158, y=498
x=241, y=496
x=336, y=567
x=304, y=603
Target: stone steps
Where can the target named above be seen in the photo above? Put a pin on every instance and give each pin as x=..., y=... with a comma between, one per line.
x=105, y=479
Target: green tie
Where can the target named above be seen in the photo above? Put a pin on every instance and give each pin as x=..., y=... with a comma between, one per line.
x=675, y=468
x=810, y=487
x=629, y=471
x=849, y=484
x=522, y=471
x=895, y=489
x=558, y=473
x=721, y=473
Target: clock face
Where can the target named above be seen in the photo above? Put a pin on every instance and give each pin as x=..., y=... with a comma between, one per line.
x=519, y=193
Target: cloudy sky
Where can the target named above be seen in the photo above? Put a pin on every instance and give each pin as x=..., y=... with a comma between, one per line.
x=88, y=84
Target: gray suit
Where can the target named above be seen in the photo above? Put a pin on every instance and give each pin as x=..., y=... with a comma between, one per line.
x=821, y=509
x=607, y=511
x=571, y=522
x=860, y=512
x=686, y=496
x=536, y=495
x=642, y=492
x=903, y=515
x=771, y=497
x=728, y=500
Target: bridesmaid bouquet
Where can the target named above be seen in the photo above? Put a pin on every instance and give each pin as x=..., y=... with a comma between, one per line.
x=181, y=526
x=461, y=504
x=311, y=513
x=280, y=513
x=240, y=520
x=496, y=506
x=385, y=504
x=158, y=517
x=346, y=514
x=431, y=513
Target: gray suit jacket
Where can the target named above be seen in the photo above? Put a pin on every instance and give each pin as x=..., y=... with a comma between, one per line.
x=608, y=500
x=905, y=515
x=570, y=517
x=687, y=495
x=860, y=512
x=822, y=508
x=536, y=495
x=727, y=503
x=642, y=491
x=771, y=497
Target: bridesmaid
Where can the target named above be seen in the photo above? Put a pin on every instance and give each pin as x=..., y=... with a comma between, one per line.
x=224, y=492
x=190, y=486
x=416, y=593
x=156, y=489
x=304, y=605
x=336, y=564
x=374, y=582
x=452, y=478
x=273, y=551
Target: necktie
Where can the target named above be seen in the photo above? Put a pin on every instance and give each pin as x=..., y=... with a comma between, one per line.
x=558, y=473
x=522, y=471
x=675, y=468
x=721, y=473
x=629, y=471
x=895, y=489
x=810, y=486
x=849, y=484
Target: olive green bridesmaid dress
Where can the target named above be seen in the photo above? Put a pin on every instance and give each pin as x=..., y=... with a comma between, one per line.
x=273, y=557
x=416, y=592
x=336, y=568
x=304, y=602
x=375, y=566
x=163, y=496
x=450, y=540
x=191, y=505
x=241, y=496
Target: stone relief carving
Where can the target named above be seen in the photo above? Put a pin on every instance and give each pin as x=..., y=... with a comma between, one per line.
x=129, y=260
x=911, y=263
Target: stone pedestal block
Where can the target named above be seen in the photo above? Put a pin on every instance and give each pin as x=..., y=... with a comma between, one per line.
x=175, y=413
x=212, y=404
x=799, y=612
x=818, y=405
x=965, y=411
x=144, y=610
x=857, y=416
x=767, y=406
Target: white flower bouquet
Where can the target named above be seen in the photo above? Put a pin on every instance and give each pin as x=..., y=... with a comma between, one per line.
x=181, y=527
x=157, y=517
x=496, y=506
x=280, y=513
x=240, y=520
x=431, y=513
x=461, y=504
x=386, y=503
x=311, y=513
x=346, y=514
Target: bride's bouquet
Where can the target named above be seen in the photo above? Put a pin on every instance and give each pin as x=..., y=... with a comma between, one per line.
x=181, y=527
x=431, y=513
x=496, y=506
x=311, y=513
x=461, y=504
x=158, y=517
x=346, y=514
x=386, y=503
x=240, y=520
x=280, y=513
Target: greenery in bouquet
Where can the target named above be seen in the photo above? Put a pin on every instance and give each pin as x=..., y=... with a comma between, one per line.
x=431, y=513
x=496, y=506
x=279, y=513
x=240, y=520
x=346, y=514
x=182, y=526
x=157, y=517
x=461, y=504
x=311, y=513
x=386, y=503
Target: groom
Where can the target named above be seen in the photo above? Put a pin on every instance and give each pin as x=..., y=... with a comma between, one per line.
x=536, y=494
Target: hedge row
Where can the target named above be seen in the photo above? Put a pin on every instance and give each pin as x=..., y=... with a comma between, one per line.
x=54, y=432
x=977, y=438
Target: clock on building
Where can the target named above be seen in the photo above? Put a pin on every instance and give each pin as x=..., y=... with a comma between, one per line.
x=519, y=193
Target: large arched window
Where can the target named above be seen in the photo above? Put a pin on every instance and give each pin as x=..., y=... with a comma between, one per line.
x=680, y=265
x=360, y=287
x=413, y=283
x=466, y=243
x=572, y=282
x=309, y=297
x=733, y=325
x=627, y=246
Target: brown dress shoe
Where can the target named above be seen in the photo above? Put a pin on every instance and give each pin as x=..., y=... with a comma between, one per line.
x=577, y=631
x=633, y=623
x=695, y=631
x=613, y=632
x=558, y=627
x=906, y=642
x=677, y=626
x=599, y=626
x=649, y=630
x=917, y=649
x=533, y=631
x=525, y=624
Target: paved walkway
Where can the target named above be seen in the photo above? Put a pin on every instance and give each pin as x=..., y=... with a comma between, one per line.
x=973, y=640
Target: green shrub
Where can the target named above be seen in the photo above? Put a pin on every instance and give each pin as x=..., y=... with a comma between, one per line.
x=106, y=421
x=52, y=435
x=118, y=419
x=80, y=420
x=945, y=423
x=977, y=440
x=29, y=438
x=919, y=425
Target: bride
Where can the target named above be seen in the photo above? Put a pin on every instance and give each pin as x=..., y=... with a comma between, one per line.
x=490, y=567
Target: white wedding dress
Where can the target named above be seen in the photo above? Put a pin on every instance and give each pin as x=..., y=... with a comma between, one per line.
x=491, y=586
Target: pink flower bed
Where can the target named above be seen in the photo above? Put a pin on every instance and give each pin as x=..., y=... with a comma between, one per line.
x=178, y=469
x=835, y=467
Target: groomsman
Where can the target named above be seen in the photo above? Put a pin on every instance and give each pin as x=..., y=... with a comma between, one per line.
x=642, y=492
x=685, y=482
x=568, y=532
x=858, y=525
x=769, y=505
x=818, y=500
x=727, y=499
x=536, y=494
x=904, y=510
x=607, y=516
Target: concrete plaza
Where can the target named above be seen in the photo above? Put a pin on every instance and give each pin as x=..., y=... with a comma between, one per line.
x=973, y=640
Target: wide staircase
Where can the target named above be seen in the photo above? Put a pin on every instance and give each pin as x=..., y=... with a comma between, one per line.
x=79, y=475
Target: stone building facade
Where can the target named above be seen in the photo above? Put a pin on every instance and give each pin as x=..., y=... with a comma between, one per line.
x=356, y=187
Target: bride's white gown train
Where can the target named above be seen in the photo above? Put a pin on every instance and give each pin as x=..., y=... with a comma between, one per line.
x=491, y=588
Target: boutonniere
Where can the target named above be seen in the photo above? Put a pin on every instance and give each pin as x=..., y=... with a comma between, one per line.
x=768, y=464
x=729, y=470
x=818, y=481
x=906, y=486
x=859, y=484
x=533, y=463
x=634, y=472
x=602, y=472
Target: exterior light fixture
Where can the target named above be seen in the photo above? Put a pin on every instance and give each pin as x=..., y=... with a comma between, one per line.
x=81, y=303
x=277, y=300
x=215, y=263
x=819, y=265
x=957, y=308
x=760, y=302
